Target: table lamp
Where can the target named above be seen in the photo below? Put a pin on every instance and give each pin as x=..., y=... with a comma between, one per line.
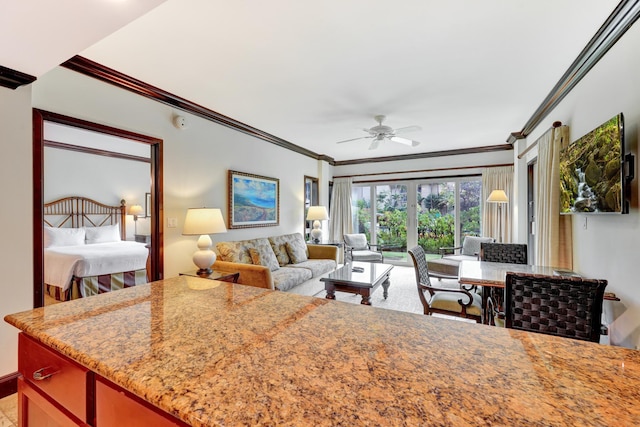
x=135, y=210
x=499, y=197
x=317, y=214
x=202, y=222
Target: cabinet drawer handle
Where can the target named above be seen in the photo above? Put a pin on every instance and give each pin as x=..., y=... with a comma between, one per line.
x=40, y=374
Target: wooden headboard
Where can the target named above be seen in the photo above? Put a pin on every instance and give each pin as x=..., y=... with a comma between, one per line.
x=76, y=212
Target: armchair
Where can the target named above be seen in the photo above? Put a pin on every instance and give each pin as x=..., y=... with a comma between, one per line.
x=357, y=248
x=450, y=301
x=446, y=267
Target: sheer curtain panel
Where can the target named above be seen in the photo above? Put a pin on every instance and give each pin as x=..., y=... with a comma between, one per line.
x=496, y=218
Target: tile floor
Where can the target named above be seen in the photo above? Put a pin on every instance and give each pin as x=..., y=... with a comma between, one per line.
x=9, y=411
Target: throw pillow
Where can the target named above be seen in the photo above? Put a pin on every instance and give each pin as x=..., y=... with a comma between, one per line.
x=297, y=251
x=234, y=252
x=104, y=234
x=278, y=244
x=63, y=237
x=262, y=254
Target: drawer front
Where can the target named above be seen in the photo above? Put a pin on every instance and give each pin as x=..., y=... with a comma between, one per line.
x=35, y=410
x=58, y=377
x=117, y=408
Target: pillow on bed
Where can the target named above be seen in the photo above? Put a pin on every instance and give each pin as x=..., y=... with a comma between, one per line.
x=63, y=237
x=104, y=234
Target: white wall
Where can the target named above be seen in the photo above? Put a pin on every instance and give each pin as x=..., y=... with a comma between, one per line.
x=608, y=248
x=16, y=260
x=104, y=179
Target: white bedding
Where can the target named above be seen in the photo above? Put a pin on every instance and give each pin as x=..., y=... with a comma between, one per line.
x=63, y=262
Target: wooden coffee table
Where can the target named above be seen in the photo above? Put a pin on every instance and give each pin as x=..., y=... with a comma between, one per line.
x=363, y=283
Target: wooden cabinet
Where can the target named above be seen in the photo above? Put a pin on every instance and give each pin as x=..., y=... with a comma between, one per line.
x=116, y=407
x=55, y=391
x=52, y=387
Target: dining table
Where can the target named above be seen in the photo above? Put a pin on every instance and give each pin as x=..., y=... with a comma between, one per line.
x=492, y=275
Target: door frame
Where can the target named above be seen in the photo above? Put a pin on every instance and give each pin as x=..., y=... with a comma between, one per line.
x=155, y=144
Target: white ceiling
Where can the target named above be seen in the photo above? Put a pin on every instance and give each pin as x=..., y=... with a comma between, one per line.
x=467, y=72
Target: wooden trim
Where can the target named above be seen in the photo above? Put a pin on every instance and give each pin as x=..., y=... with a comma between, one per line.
x=418, y=178
x=98, y=71
x=621, y=19
x=9, y=384
x=423, y=171
x=457, y=152
x=95, y=151
x=14, y=79
x=157, y=235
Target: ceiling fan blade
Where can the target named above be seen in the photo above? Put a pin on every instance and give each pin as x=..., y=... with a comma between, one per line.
x=405, y=141
x=408, y=129
x=353, y=139
x=374, y=144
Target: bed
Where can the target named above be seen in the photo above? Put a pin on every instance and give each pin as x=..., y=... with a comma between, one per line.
x=84, y=250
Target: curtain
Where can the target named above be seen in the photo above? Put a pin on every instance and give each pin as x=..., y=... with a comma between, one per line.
x=340, y=219
x=553, y=234
x=496, y=217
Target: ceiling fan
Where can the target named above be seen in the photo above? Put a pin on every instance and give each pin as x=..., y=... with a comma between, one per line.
x=381, y=132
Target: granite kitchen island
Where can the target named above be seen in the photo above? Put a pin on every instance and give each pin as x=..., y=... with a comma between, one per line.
x=205, y=353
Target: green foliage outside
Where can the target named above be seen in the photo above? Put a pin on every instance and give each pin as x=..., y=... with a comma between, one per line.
x=436, y=221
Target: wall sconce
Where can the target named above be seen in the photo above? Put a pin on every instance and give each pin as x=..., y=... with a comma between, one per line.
x=135, y=210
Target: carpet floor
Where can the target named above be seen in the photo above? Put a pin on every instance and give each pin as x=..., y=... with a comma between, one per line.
x=403, y=294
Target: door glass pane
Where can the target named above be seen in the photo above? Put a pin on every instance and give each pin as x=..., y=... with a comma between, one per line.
x=361, y=210
x=436, y=215
x=470, y=193
x=391, y=221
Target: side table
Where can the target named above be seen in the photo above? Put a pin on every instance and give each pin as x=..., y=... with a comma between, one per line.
x=223, y=276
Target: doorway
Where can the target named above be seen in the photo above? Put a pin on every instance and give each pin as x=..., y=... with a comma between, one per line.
x=155, y=199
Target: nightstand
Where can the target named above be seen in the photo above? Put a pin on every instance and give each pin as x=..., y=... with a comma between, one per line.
x=143, y=238
x=223, y=276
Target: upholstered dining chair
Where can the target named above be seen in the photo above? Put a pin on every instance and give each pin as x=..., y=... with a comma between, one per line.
x=556, y=305
x=451, y=301
x=357, y=248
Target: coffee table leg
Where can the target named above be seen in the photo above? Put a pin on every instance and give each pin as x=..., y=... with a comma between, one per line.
x=385, y=287
x=366, y=298
x=331, y=290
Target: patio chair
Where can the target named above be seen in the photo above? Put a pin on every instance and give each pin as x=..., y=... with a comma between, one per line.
x=357, y=248
x=446, y=267
x=450, y=301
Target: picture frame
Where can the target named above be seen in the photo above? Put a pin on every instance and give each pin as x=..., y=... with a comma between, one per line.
x=147, y=205
x=254, y=200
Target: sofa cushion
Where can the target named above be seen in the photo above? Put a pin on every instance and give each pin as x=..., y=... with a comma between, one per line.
x=287, y=278
x=317, y=266
x=357, y=242
x=297, y=251
x=262, y=254
x=279, y=246
x=235, y=251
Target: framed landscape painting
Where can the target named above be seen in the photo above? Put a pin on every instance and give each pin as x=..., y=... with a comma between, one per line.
x=253, y=200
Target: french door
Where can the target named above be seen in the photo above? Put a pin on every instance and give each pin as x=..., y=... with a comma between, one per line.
x=432, y=214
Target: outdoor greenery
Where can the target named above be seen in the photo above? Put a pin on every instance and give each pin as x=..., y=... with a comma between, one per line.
x=436, y=221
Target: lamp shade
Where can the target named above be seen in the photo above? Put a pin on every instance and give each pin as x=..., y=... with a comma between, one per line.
x=135, y=210
x=498, y=196
x=203, y=221
x=317, y=213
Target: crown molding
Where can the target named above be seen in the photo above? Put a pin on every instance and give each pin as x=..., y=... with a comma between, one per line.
x=14, y=79
x=475, y=150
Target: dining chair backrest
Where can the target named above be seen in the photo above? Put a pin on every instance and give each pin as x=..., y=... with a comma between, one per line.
x=420, y=264
x=557, y=305
x=513, y=253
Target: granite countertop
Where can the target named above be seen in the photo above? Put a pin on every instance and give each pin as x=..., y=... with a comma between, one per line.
x=217, y=353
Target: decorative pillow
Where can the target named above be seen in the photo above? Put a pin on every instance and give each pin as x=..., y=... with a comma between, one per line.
x=104, y=234
x=235, y=251
x=297, y=251
x=63, y=237
x=278, y=244
x=263, y=255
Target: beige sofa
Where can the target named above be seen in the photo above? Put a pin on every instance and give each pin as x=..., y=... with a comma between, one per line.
x=279, y=262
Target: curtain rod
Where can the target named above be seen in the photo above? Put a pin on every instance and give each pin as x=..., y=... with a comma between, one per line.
x=526, y=150
x=423, y=170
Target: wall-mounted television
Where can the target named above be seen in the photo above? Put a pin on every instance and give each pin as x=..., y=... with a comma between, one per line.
x=592, y=171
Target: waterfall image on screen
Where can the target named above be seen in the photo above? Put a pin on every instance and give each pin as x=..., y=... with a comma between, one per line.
x=591, y=171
